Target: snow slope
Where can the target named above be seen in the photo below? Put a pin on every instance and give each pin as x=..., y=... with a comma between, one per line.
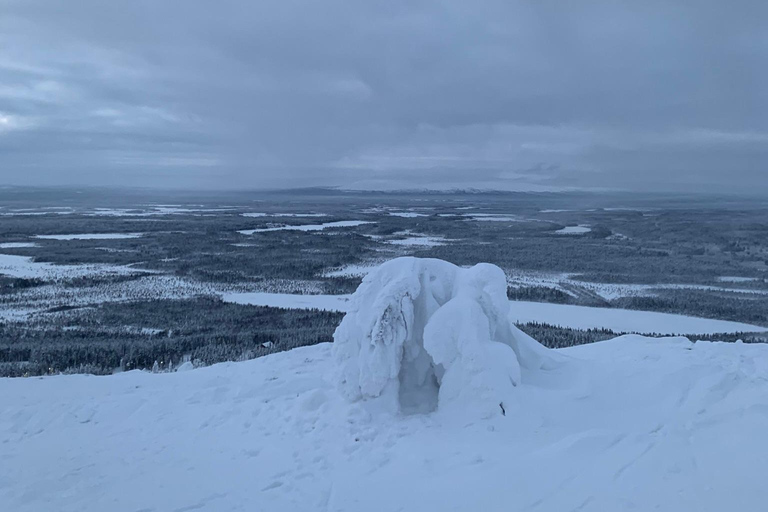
x=628, y=424
x=564, y=315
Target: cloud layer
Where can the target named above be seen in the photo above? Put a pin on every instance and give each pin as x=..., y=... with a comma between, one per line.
x=281, y=93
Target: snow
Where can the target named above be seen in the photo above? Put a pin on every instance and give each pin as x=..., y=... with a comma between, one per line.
x=421, y=334
x=610, y=291
x=284, y=214
x=352, y=270
x=574, y=230
x=309, y=227
x=18, y=245
x=157, y=210
x=25, y=267
x=185, y=366
x=492, y=217
x=38, y=299
x=407, y=215
x=289, y=301
x=31, y=212
x=564, y=315
x=624, y=320
x=419, y=240
x=737, y=279
x=627, y=424
x=91, y=236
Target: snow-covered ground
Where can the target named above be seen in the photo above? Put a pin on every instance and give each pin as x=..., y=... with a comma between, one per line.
x=91, y=236
x=20, y=306
x=737, y=279
x=573, y=230
x=33, y=212
x=289, y=301
x=18, y=245
x=564, y=315
x=623, y=320
x=419, y=240
x=492, y=217
x=567, y=282
x=25, y=267
x=309, y=227
x=627, y=424
x=408, y=215
x=352, y=270
x=258, y=214
x=156, y=210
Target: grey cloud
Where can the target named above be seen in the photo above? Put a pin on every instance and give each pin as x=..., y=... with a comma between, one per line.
x=283, y=93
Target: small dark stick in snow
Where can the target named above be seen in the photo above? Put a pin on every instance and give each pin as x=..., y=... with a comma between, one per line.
x=503, y=411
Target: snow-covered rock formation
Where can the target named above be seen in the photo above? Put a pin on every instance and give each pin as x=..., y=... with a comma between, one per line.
x=424, y=334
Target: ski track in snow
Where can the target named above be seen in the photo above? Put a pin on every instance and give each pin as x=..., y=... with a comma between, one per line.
x=628, y=424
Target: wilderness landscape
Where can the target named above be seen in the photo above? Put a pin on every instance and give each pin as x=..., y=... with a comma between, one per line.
x=95, y=281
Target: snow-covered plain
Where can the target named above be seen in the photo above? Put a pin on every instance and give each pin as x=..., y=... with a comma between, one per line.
x=408, y=215
x=308, y=227
x=289, y=301
x=573, y=230
x=259, y=214
x=623, y=320
x=91, y=236
x=18, y=245
x=628, y=424
x=156, y=210
x=564, y=315
x=419, y=240
x=737, y=279
x=25, y=267
x=568, y=282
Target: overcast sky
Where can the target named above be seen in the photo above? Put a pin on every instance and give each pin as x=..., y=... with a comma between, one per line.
x=535, y=95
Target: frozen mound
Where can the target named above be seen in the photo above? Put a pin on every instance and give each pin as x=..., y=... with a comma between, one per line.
x=424, y=334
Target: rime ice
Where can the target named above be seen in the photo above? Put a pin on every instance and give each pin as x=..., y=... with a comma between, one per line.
x=424, y=334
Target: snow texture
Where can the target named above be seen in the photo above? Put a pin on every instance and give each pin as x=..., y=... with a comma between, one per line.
x=631, y=424
x=424, y=334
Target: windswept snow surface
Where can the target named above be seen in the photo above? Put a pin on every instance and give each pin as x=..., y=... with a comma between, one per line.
x=564, y=315
x=627, y=424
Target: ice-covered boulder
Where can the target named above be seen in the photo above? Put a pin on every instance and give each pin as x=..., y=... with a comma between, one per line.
x=424, y=334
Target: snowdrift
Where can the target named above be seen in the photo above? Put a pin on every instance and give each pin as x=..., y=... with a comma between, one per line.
x=424, y=334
